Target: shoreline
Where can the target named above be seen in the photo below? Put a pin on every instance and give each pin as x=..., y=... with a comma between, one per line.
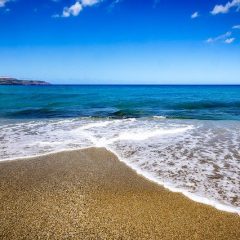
x=202, y=200
x=91, y=194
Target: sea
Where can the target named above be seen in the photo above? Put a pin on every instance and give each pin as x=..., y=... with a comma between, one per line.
x=185, y=138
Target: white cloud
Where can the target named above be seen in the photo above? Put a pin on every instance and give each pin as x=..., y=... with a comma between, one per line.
x=195, y=15
x=219, y=9
x=73, y=10
x=225, y=8
x=89, y=2
x=76, y=8
x=229, y=40
x=3, y=2
x=236, y=27
x=222, y=37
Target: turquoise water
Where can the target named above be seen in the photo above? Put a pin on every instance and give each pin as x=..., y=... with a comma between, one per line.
x=170, y=134
x=183, y=102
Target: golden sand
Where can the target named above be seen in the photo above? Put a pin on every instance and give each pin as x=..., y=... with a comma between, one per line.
x=89, y=194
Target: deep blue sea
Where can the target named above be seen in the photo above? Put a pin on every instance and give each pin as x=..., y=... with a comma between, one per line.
x=186, y=138
x=181, y=102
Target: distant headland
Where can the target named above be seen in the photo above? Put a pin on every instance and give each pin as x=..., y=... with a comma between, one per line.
x=14, y=81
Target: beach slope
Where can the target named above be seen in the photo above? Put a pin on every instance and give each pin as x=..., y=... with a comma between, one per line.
x=90, y=194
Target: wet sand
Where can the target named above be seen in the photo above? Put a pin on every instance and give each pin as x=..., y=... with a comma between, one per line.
x=90, y=194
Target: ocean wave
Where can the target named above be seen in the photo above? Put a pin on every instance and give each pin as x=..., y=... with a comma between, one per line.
x=159, y=117
x=128, y=113
x=198, y=105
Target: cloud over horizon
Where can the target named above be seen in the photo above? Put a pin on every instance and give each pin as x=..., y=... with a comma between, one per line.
x=229, y=40
x=224, y=37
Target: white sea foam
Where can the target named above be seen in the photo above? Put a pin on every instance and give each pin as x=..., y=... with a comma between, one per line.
x=198, y=158
x=159, y=117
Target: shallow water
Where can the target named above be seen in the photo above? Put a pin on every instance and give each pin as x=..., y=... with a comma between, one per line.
x=199, y=157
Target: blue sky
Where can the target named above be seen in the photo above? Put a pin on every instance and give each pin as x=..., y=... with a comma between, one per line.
x=121, y=41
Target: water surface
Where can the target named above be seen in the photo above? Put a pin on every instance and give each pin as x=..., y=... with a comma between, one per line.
x=184, y=137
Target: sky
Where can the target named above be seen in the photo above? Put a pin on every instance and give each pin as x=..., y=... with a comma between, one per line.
x=121, y=41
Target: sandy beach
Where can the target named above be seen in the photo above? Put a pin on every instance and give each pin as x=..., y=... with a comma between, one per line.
x=90, y=194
